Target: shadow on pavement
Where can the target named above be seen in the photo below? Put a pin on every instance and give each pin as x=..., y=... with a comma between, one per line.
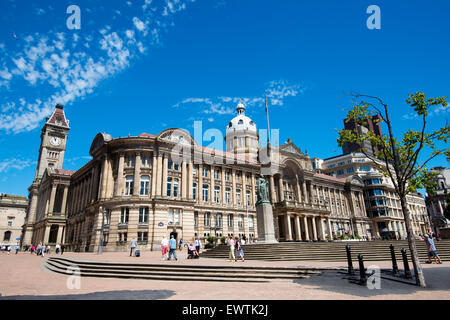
x=334, y=281
x=106, y=295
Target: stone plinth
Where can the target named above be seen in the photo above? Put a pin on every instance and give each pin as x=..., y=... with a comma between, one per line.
x=266, y=229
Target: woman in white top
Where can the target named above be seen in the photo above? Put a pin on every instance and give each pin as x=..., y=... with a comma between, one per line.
x=164, y=246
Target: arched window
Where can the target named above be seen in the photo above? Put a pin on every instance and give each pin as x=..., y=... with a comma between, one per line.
x=241, y=121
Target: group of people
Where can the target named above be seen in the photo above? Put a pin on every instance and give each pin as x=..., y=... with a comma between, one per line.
x=43, y=249
x=170, y=246
x=235, y=246
x=7, y=249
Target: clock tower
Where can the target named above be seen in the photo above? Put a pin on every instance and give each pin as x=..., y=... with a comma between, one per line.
x=53, y=142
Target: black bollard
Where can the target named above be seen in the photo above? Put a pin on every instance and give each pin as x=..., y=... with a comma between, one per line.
x=394, y=261
x=362, y=270
x=406, y=264
x=349, y=259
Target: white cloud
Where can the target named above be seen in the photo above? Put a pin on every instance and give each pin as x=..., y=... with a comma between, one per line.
x=71, y=66
x=14, y=163
x=277, y=92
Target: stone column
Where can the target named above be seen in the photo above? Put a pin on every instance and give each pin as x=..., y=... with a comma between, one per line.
x=120, y=178
x=313, y=220
x=299, y=193
x=223, y=185
x=184, y=183
x=64, y=201
x=46, y=234
x=305, y=194
x=200, y=183
x=212, y=184
x=233, y=191
x=52, y=199
x=305, y=222
x=244, y=188
x=190, y=181
x=330, y=231
x=137, y=175
x=281, y=189
x=272, y=190
x=164, y=176
x=297, y=228
x=287, y=223
x=252, y=193
x=154, y=174
x=59, y=236
x=322, y=229
x=159, y=174
x=312, y=193
x=363, y=205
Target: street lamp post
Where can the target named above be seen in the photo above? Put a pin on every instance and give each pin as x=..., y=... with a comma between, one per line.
x=100, y=246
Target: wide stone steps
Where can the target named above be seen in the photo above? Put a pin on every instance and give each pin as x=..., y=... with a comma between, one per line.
x=329, y=251
x=178, y=272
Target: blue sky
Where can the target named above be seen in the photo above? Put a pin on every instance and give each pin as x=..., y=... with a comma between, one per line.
x=145, y=66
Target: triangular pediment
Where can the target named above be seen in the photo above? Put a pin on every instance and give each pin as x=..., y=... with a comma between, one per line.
x=290, y=147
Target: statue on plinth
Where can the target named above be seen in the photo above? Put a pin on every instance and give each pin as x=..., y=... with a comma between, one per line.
x=264, y=214
x=262, y=191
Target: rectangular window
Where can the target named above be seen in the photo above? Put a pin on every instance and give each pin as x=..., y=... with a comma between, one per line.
x=194, y=170
x=247, y=194
x=169, y=164
x=143, y=215
x=350, y=170
x=207, y=219
x=230, y=221
x=195, y=219
x=175, y=187
x=194, y=190
x=228, y=195
x=219, y=220
x=227, y=176
x=238, y=197
x=241, y=221
x=174, y=217
x=216, y=174
x=108, y=217
x=142, y=237
x=124, y=215
x=129, y=185
x=205, y=192
x=216, y=194
x=250, y=222
x=169, y=187
x=145, y=183
x=205, y=172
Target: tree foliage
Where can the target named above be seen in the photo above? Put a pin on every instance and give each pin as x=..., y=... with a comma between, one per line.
x=399, y=158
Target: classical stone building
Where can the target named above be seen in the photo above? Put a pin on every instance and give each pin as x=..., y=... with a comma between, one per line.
x=149, y=186
x=12, y=216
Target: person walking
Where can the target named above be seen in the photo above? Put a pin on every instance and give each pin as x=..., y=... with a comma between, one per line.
x=17, y=248
x=8, y=249
x=164, y=246
x=172, y=248
x=239, y=250
x=32, y=249
x=198, y=245
x=133, y=245
x=57, y=247
x=431, y=250
x=180, y=245
x=43, y=248
x=38, y=249
x=62, y=248
x=231, y=245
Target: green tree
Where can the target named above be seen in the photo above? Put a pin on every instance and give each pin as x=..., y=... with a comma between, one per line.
x=398, y=159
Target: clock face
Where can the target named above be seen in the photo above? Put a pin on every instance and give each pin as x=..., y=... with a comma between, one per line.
x=55, y=141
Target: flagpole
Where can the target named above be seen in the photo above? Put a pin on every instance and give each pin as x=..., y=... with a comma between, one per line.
x=267, y=115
